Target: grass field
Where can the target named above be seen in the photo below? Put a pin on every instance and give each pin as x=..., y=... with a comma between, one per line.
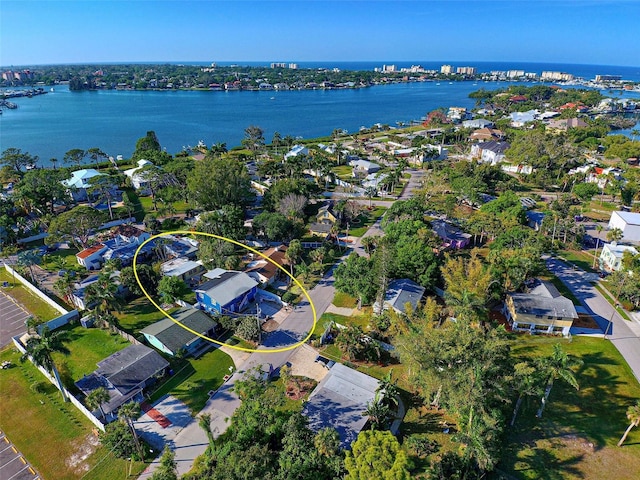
x=28, y=300
x=87, y=347
x=197, y=377
x=138, y=314
x=577, y=436
x=53, y=435
x=344, y=300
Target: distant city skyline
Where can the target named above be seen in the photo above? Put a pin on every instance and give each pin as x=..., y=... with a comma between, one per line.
x=559, y=31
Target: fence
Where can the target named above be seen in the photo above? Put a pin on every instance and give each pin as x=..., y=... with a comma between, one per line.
x=92, y=418
x=35, y=290
x=60, y=321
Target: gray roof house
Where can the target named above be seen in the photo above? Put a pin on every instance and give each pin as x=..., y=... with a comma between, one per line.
x=400, y=293
x=124, y=374
x=169, y=337
x=338, y=402
x=226, y=291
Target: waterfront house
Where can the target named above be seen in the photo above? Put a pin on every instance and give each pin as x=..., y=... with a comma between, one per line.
x=138, y=180
x=452, y=236
x=478, y=123
x=520, y=119
x=91, y=257
x=629, y=223
x=492, y=152
x=541, y=309
x=124, y=375
x=170, y=337
x=79, y=183
x=399, y=295
x=611, y=255
x=296, y=150
x=338, y=402
x=226, y=291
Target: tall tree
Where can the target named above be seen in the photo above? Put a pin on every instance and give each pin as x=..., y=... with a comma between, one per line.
x=102, y=295
x=376, y=454
x=167, y=468
x=356, y=277
x=128, y=413
x=16, y=160
x=102, y=189
x=96, y=155
x=41, y=348
x=253, y=139
x=615, y=235
x=227, y=221
x=42, y=188
x=204, y=422
x=294, y=253
x=28, y=259
x=466, y=285
x=75, y=225
x=97, y=398
x=633, y=414
x=558, y=365
x=215, y=183
x=74, y=156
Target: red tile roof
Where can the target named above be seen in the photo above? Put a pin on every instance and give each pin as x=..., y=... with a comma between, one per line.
x=87, y=252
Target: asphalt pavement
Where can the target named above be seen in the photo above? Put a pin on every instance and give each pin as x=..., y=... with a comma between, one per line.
x=625, y=335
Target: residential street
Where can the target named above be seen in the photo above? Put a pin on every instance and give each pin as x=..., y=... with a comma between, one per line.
x=623, y=334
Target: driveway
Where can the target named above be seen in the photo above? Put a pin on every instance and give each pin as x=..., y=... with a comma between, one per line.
x=623, y=334
x=150, y=424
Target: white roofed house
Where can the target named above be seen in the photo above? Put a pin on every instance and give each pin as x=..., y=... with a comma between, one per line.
x=79, y=182
x=297, y=150
x=492, y=152
x=189, y=271
x=138, y=180
x=629, y=223
x=612, y=254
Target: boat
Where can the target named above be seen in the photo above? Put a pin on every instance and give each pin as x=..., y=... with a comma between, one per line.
x=52, y=90
x=437, y=84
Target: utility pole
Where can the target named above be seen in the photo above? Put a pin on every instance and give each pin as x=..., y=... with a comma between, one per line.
x=615, y=304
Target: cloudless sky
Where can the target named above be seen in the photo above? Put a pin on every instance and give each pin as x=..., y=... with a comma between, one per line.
x=95, y=31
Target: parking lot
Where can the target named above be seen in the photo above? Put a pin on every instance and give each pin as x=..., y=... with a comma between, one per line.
x=13, y=465
x=12, y=318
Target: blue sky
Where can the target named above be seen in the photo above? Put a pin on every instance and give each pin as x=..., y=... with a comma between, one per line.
x=559, y=31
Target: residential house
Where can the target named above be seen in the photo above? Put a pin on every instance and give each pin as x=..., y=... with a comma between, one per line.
x=374, y=180
x=130, y=234
x=458, y=114
x=564, y=124
x=486, y=135
x=265, y=272
x=79, y=183
x=187, y=270
x=338, y=402
x=478, y=123
x=629, y=223
x=534, y=219
x=180, y=247
x=490, y=152
x=611, y=255
x=452, y=236
x=226, y=291
x=399, y=294
x=125, y=375
x=520, y=119
x=91, y=257
x=172, y=337
x=362, y=168
x=326, y=218
x=138, y=180
x=296, y=150
x=77, y=296
x=540, y=310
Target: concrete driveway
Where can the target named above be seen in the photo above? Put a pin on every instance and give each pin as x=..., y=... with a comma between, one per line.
x=623, y=334
x=169, y=407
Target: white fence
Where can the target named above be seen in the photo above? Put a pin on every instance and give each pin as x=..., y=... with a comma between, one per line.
x=92, y=418
x=60, y=321
x=35, y=290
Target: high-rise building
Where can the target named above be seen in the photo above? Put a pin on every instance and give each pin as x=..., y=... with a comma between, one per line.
x=446, y=69
x=466, y=70
x=562, y=76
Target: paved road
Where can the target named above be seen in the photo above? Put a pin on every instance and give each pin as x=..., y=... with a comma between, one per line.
x=623, y=334
x=414, y=182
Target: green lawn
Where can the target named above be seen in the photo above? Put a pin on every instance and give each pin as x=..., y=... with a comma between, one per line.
x=365, y=220
x=28, y=300
x=195, y=378
x=49, y=432
x=87, y=347
x=577, y=436
x=622, y=313
x=345, y=301
x=138, y=314
x=343, y=171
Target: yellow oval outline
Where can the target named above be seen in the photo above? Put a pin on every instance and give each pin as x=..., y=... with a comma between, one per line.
x=250, y=350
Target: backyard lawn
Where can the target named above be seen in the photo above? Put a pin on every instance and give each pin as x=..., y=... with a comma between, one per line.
x=195, y=378
x=57, y=440
x=365, y=220
x=28, y=300
x=87, y=347
x=138, y=314
x=577, y=436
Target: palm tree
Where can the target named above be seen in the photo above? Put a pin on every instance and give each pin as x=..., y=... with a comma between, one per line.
x=103, y=295
x=128, y=413
x=633, y=414
x=54, y=162
x=525, y=383
x=103, y=186
x=327, y=442
x=614, y=235
x=370, y=192
x=599, y=229
x=558, y=365
x=28, y=259
x=96, y=398
x=377, y=411
x=41, y=348
x=204, y=422
x=276, y=141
